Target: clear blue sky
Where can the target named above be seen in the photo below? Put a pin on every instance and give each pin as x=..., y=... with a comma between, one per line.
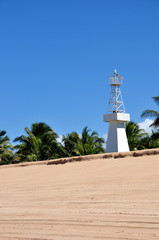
x=56, y=55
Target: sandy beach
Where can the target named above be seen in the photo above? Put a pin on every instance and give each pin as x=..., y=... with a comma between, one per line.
x=99, y=199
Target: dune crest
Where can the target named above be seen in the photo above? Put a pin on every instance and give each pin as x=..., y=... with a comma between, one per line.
x=138, y=153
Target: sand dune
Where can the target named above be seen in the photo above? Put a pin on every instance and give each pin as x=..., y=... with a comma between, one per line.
x=116, y=198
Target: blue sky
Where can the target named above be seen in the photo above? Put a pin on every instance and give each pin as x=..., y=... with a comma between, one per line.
x=56, y=56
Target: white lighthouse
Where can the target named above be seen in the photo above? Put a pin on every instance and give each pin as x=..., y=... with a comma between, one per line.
x=117, y=139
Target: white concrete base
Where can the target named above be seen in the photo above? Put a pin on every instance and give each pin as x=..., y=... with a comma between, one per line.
x=117, y=139
x=124, y=117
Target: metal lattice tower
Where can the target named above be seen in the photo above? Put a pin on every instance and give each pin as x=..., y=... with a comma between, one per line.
x=116, y=104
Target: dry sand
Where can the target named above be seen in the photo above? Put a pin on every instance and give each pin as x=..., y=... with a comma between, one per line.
x=99, y=199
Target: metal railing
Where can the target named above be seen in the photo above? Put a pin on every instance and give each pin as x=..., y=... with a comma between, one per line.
x=115, y=81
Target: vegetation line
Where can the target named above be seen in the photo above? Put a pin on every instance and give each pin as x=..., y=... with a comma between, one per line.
x=41, y=142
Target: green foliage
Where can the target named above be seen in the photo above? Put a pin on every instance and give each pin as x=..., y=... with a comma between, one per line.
x=6, y=154
x=152, y=113
x=88, y=143
x=39, y=144
x=138, y=139
x=135, y=136
x=151, y=141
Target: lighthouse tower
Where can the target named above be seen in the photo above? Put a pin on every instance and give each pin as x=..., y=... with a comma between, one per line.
x=117, y=139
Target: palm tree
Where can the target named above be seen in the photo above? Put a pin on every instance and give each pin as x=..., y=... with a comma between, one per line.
x=84, y=145
x=91, y=143
x=135, y=136
x=152, y=113
x=39, y=144
x=71, y=141
x=151, y=141
x=6, y=154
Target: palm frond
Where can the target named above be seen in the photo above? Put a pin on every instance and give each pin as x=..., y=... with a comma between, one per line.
x=155, y=123
x=150, y=113
x=156, y=99
x=2, y=133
